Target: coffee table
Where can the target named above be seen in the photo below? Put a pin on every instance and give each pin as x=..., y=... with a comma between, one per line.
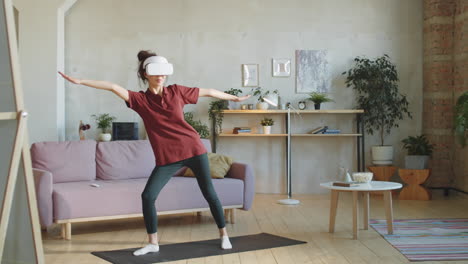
x=362, y=189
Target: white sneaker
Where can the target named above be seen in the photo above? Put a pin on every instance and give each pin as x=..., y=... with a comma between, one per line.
x=225, y=243
x=146, y=249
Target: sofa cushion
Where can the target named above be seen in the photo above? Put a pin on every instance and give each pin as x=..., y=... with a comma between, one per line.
x=219, y=166
x=121, y=197
x=68, y=161
x=119, y=160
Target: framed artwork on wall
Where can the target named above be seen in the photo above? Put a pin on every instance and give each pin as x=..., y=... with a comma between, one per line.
x=281, y=67
x=250, y=75
x=312, y=71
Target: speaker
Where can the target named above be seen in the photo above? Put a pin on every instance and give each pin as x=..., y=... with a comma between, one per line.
x=124, y=131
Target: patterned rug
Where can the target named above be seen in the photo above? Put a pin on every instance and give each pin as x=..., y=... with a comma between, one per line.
x=427, y=239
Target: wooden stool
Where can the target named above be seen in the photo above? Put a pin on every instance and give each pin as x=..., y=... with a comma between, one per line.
x=414, y=179
x=382, y=173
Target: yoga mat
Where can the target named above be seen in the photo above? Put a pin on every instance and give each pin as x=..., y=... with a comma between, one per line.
x=197, y=249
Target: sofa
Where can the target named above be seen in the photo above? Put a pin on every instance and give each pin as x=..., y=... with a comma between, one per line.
x=82, y=181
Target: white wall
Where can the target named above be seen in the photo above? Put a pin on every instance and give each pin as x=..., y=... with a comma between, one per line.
x=208, y=41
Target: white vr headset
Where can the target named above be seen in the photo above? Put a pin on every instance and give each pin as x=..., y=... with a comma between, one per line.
x=158, y=65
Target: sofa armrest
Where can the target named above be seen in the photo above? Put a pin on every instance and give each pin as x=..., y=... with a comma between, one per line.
x=244, y=172
x=43, y=184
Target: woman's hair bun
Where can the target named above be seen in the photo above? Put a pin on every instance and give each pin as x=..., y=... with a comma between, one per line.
x=143, y=54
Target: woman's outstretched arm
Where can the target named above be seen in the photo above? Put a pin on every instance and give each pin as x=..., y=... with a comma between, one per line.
x=220, y=95
x=103, y=85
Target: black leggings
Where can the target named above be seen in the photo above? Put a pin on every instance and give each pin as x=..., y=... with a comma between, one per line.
x=162, y=174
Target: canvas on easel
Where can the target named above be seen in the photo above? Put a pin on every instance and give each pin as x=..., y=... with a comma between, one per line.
x=16, y=178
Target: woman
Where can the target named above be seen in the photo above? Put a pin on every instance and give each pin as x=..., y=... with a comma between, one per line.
x=175, y=143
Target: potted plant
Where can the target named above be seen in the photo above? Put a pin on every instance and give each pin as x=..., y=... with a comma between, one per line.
x=267, y=123
x=104, y=122
x=234, y=105
x=215, y=112
x=261, y=104
x=461, y=118
x=318, y=98
x=419, y=150
x=376, y=83
x=201, y=128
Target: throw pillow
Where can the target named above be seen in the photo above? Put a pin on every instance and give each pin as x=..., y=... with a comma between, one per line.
x=219, y=166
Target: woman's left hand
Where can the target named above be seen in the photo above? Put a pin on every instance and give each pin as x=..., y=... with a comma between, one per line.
x=242, y=98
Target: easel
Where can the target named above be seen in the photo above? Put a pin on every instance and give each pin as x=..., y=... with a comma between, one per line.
x=20, y=147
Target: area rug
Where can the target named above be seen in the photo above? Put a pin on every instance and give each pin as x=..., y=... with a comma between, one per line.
x=427, y=239
x=197, y=249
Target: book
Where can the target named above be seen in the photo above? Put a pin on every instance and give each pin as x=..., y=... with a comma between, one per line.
x=238, y=130
x=321, y=130
x=345, y=184
x=316, y=129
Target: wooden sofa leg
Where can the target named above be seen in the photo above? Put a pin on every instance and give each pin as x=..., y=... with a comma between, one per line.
x=233, y=215
x=226, y=214
x=66, y=231
x=199, y=214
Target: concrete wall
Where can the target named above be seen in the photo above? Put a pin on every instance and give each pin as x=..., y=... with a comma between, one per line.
x=208, y=41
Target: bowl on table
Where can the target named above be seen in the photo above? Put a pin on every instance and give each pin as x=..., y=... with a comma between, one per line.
x=362, y=177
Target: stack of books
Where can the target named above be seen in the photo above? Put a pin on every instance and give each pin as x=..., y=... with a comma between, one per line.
x=324, y=130
x=241, y=130
x=345, y=184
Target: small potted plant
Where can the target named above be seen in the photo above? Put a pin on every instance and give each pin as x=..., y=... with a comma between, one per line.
x=104, y=122
x=261, y=104
x=461, y=118
x=267, y=123
x=419, y=150
x=234, y=105
x=318, y=98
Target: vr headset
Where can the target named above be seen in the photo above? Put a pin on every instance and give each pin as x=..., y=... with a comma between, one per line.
x=157, y=65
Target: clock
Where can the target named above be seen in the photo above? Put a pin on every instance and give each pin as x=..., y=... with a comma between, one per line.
x=302, y=105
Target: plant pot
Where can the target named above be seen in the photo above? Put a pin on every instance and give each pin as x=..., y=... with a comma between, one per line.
x=105, y=137
x=267, y=130
x=233, y=105
x=382, y=155
x=317, y=106
x=262, y=106
x=416, y=162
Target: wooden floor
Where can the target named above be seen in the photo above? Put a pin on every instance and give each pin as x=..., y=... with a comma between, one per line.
x=308, y=222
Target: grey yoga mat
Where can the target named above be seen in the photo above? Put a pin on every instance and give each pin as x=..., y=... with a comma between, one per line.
x=197, y=249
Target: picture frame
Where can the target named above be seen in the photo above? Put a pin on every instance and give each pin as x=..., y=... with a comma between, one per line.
x=281, y=67
x=250, y=75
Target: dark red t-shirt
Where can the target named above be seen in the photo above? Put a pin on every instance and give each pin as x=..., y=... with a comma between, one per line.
x=171, y=138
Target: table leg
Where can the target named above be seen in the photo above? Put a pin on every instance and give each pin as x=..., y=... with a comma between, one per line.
x=333, y=206
x=355, y=214
x=389, y=211
x=365, y=206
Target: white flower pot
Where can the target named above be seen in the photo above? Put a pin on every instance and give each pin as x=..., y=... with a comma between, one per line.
x=382, y=155
x=105, y=137
x=266, y=129
x=262, y=106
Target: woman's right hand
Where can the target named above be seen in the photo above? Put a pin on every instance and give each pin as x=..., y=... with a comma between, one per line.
x=70, y=79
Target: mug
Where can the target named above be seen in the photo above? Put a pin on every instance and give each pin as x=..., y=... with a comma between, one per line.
x=243, y=106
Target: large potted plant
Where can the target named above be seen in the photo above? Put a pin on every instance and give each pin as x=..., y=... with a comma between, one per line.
x=419, y=150
x=376, y=84
x=461, y=118
x=104, y=122
x=201, y=128
x=318, y=99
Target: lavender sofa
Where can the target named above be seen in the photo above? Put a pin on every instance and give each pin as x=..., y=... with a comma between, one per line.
x=64, y=172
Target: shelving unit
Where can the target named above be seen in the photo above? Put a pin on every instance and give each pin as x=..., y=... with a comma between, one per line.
x=359, y=126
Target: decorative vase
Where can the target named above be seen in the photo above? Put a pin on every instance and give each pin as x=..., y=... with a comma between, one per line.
x=262, y=106
x=105, y=137
x=267, y=130
x=317, y=106
x=382, y=155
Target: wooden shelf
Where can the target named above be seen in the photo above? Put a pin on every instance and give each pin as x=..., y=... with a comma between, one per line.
x=285, y=135
x=343, y=111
